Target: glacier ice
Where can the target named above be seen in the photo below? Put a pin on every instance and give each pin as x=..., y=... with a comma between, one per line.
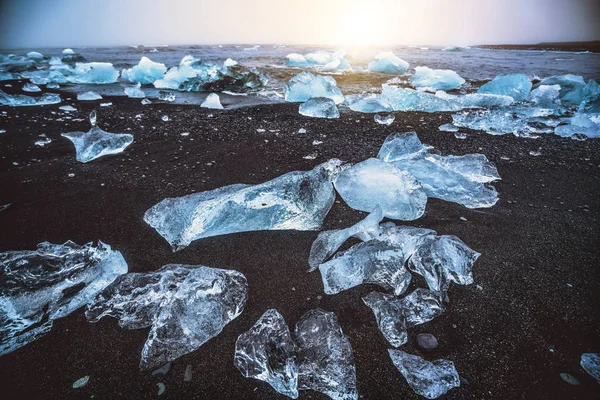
x=184, y=306
x=34, y=55
x=296, y=200
x=368, y=103
x=306, y=85
x=580, y=126
x=30, y=87
x=97, y=143
x=89, y=96
x=404, y=99
x=134, y=92
x=319, y=107
x=166, y=96
x=212, y=101
x=384, y=119
x=145, y=72
x=39, y=286
x=476, y=100
x=436, y=79
x=400, y=145
x=70, y=56
x=395, y=316
x=546, y=96
x=320, y=60
x=448, y=128
x=591, y=364
x=93, y=72
x=590, y=98
x=429, y=379
x=374, y=182
x=388, y=63
x=516, y=86
x=17, y=100
x=571, y=87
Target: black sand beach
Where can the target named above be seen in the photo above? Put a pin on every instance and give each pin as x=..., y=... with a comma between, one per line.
x=531, y=314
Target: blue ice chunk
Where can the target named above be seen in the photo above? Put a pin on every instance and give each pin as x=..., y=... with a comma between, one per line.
x=368, y=103
x=31, y=88
x=591, y=364
x=134, y=92
x=17, y=100
x=571, y=87
x=476, y=100
x=590, y=102
x=580, y=126
x=145, y=72
x=516, y=86
x=175, y=76
x=403, y=99
x=388, y=63
x=94, y=72
x=34, y=55
x=384, y=119
x=42, y=285
x=212, y=101
x=319, y=107
x=517, y=120
x=305, y=86
x=436, y=79
x=400, y=145
x=89, y=96
x=546, y=96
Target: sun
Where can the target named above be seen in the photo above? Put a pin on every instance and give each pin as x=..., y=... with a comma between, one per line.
x=359, y=24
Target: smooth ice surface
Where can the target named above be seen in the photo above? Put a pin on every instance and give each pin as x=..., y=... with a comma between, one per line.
x=368, y=103
x=306, y=85
x=88, y=96
x=591, y=364
x=516, y=86
x=395, y=316
x=436, y=79
x=319, y=107
x=184, y=306
x=267, y=352
x=590, y=98
x=580, y=126
x=94, y=72
x=296, y=200
x=374, y=182
x=399, y=146
x=18, y=100
x=39, y=286
x=145, y=72
x=212, y=101
x=134, y=92
x=403, y=99
x=476, y=100
x=571, y=87
x=388, y=63
x=384, y=119
x=97, y=143
x=429, y=379
x=31, y=88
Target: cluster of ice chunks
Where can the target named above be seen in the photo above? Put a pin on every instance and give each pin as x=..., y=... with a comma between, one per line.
x=404, y=99
x=388, y=63
x=296, y=200
x=317, y=357
x=39, y=286
x=18, y=100
x=145, y=72
x=516, y=86
x=320, y=60
x=319, y=107
x=436, y=79
x=184, y=306
x=97, y=143
x=305, y=86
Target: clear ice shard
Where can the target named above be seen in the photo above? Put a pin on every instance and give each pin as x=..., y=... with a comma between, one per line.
x=388, y=63
x=520, y=121
x=476, y=100
x=97, y=143
x=429, y=379
x=319, y=107
x=31, y=88
x=374, y=182
x=267, y=352
x=516, y=86
x=403, y=99
x=571, y=87
x=39, y=286
x=395, y=316
x=546, y=96
x=89, y=96
x=134, y=92
x=591, y=364
x=368, y=103
x=212, y=101
x=305, y=86
x=297, y=200
x=184, y=306
x=384, y=119
x=166, y=96
x=18, y=100
x=145, y=72
x=436, y=79
x=94, y=72
x=399, y=146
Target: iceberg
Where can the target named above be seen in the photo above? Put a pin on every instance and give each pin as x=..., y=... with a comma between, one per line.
x=384, y=119
x=212, y=101
x=42, y=285
x=88, y=96
x=368, y=103
x=97, y=143
x=145, y=72
x=436, y=79
x=184, y=306
x=296, y=200
x=18, y=100
x=319, y=107
x=591, y=364
x=94, y=72
x=30, y=87
x=388, y=63
x=571, y=87
x=306, y=85
x=134, y=92
x=374, y=182
x=428, y=379
x=516, y=86
x=403, y=99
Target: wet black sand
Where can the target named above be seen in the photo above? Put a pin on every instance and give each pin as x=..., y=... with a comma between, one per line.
x=511, y=336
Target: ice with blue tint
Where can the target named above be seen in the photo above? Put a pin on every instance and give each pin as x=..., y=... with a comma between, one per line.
x=384, y=119
x=590, y=362
x=436, y=79
x=476, y=100
x=404, y=99
x=97, y=143
x=34, y=55
x=298, y=200
x=396, y=315
x=516, y=86
x=518, y=120
x=374, y=182
x=145, y=72
x=305, y=86
x=590, y=102
x=571, y=87
x=368, y=103
x=319, y=107
x=89, y=96
x=399, y=146
x=428, y=379
x=94, y=72
x=31, y=88
x=18, y=100
x=212, y=101
x=175, y=76
x=320, y=60
x=42, y=285
x=388, y=63
x=580, y=126
x=184, y=306
x=545, y=96
x=134, y=92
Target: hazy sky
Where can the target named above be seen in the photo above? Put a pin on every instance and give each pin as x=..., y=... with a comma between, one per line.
x=64, y=23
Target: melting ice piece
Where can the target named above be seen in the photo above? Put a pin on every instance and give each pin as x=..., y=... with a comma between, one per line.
x=185, y=306
x=384, y=119
x=145, y=72
x=368, y=103
x=395, y=316
x=429, y=379
x=17, y=100
x=134, y=92
x=374, y=182
x=325, y=358
x=322, y=60
x=399, y=146
x=591, y=364
x=476, y=100
x=67, y=108
x=39, y=286
x=94, y=72
x=319, y=107
x=516, y=86
x=146, y=102
x=388, y=63
x=545, y=96
x=296, y=200
x=516, y=120
x=442, y=259
x=30, y=87
x=34, y=55
x=436, y=79
x=97, y=143
x=590, y=102
x=267, y=352
x=571, y=87
x=402, y=99
x=52, y=85
x=448, y=128
x=166, y=96
x=306, y=85
x=580, y=126
x=88, y=96
x=212, y=101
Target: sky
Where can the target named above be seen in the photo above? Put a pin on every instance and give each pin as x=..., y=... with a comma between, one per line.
x=75, y=23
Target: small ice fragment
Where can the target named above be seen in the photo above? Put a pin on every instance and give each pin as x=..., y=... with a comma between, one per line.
x=319, y=107
x=570, y=379
x=429, y=379
x=261, y=130
x=43, y=142
x=317, y=142
x=88, y=96
x=161, y=388
x=591, y=364
x=52, y=85
x=165, y=118
x=436, y=79
x=145, y=72
x=17, y=100
x=384, y=119
x=67, y=108
x=68, y=52
x=162, y=370
x=305, y=86
x=212, y=101
x=106, y=104
x=4, y=206
x=535, y=153
x=81, y=382
x=311, y=156
x=388, y=63
x=185, y=134
x=187, y=375
x=166, y=96
x=229, y=62
x=30, y=87
x=463, y=219
x=2, y=131
x=448, y=128
x=368, y=103
x=146, y=102
x=301, y=130
x=516, y=86
x=134, y=92
x=460, y=135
